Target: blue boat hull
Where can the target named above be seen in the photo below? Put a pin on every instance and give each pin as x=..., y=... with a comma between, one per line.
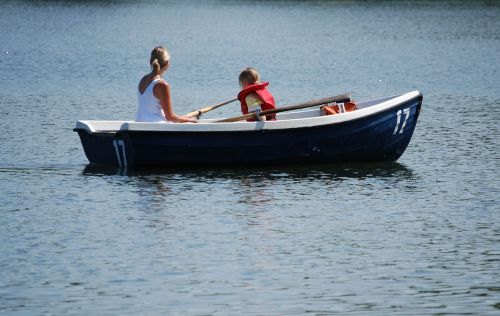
x=382, y=136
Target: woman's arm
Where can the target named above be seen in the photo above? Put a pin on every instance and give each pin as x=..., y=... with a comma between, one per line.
x=162, y=91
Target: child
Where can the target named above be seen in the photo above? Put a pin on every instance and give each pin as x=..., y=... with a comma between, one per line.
x=254, y=96
x=155, y=103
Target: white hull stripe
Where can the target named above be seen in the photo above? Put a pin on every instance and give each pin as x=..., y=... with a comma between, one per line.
x=118, y=143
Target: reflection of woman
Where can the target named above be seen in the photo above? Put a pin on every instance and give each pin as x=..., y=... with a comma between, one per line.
x=155, y=103
x=254, y=190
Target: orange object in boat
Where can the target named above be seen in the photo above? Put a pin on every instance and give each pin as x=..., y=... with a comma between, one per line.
x=339, y=108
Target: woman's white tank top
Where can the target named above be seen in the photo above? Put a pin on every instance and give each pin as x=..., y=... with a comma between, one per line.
x=149, y=106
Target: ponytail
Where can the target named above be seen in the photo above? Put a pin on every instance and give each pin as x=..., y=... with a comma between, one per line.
x=155, y=65
x=159, y=58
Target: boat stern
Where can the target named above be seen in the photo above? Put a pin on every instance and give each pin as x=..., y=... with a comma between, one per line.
x=99, y=141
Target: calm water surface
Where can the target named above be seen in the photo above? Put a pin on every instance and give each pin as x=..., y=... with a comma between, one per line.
x=416, y=237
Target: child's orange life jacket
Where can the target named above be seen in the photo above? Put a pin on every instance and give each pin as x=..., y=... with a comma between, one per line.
x=261, y=91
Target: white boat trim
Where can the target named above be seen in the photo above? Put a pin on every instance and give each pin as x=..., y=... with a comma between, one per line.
x=288, y=120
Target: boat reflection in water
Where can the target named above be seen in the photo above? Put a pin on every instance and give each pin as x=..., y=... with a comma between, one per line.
x=326, y=173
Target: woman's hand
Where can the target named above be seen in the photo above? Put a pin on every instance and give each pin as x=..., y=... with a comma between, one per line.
x=188, y=119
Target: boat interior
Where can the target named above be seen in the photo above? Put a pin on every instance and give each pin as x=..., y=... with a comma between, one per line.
x=291, y=116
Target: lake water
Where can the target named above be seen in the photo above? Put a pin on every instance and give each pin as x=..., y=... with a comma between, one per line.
x=417, y=237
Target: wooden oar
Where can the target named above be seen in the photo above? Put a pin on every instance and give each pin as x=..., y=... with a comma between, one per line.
x=199, y=112
x=342, y=98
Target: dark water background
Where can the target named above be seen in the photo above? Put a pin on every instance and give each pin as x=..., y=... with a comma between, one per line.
x=416, y=237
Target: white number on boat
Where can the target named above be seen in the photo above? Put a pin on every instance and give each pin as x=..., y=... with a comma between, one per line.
x=397, y=128
x=119, y=144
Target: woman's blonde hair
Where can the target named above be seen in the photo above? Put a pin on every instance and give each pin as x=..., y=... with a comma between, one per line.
x=159, y=58
x=249, y=75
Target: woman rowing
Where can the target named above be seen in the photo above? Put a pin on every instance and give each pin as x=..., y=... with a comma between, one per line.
x=155, y=102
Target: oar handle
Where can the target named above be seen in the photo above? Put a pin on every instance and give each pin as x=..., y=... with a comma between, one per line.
x=199, y=112
x=342, y=98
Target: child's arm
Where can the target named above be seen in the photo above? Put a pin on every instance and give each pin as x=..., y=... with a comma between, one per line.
x=254, y=104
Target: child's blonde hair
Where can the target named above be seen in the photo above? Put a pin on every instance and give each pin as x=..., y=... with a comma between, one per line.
x=249, y=75
x=159, y=58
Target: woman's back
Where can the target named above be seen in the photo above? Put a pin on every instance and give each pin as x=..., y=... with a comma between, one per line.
x=155, y=103
x=149, y=109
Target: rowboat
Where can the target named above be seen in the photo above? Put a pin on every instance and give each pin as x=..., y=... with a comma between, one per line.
x=378, y=130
